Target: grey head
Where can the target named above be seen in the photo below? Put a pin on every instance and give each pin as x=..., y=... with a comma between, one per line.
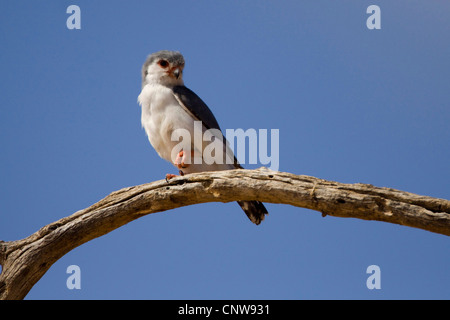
x=174, y=58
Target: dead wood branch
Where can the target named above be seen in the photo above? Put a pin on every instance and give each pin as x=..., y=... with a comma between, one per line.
x=25, y=261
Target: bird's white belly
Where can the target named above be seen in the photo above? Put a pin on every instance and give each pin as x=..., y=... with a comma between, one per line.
x=161, y=115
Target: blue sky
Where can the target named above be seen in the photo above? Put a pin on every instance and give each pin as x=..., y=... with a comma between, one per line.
x=351, y=105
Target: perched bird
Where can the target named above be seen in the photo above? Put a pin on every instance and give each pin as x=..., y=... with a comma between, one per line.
x=167, y=105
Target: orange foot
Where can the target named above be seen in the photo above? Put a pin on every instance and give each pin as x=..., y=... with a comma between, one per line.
x=180, y=160
x=170, y=176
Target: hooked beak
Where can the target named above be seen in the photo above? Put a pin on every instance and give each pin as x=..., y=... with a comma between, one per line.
x=176, y=72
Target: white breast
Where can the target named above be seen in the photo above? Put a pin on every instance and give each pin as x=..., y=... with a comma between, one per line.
x=161, y=114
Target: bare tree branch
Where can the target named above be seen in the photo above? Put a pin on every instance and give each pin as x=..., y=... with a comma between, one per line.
x=25, y=261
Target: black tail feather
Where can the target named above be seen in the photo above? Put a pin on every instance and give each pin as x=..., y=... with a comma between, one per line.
x=254, y=210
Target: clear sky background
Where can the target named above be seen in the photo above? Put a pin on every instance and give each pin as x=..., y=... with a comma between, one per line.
x=352, y=105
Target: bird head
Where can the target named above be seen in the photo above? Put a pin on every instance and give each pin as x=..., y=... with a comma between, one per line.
x=163, y=67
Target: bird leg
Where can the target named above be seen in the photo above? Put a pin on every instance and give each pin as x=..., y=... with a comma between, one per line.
x=180, y=161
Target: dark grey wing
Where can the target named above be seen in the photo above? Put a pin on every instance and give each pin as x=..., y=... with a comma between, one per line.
x=195, y=106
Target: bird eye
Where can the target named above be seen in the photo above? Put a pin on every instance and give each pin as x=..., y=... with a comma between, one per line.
x=163, y=63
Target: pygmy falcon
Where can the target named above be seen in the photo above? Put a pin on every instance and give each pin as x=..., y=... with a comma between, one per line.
x=167, y=105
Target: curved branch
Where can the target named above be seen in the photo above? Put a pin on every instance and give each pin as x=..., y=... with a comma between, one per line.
x=25, y=261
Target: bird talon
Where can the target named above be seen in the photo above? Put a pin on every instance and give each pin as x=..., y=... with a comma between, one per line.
x=170, y=176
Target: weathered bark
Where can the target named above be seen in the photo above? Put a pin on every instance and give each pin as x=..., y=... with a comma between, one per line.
x=25, y=261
